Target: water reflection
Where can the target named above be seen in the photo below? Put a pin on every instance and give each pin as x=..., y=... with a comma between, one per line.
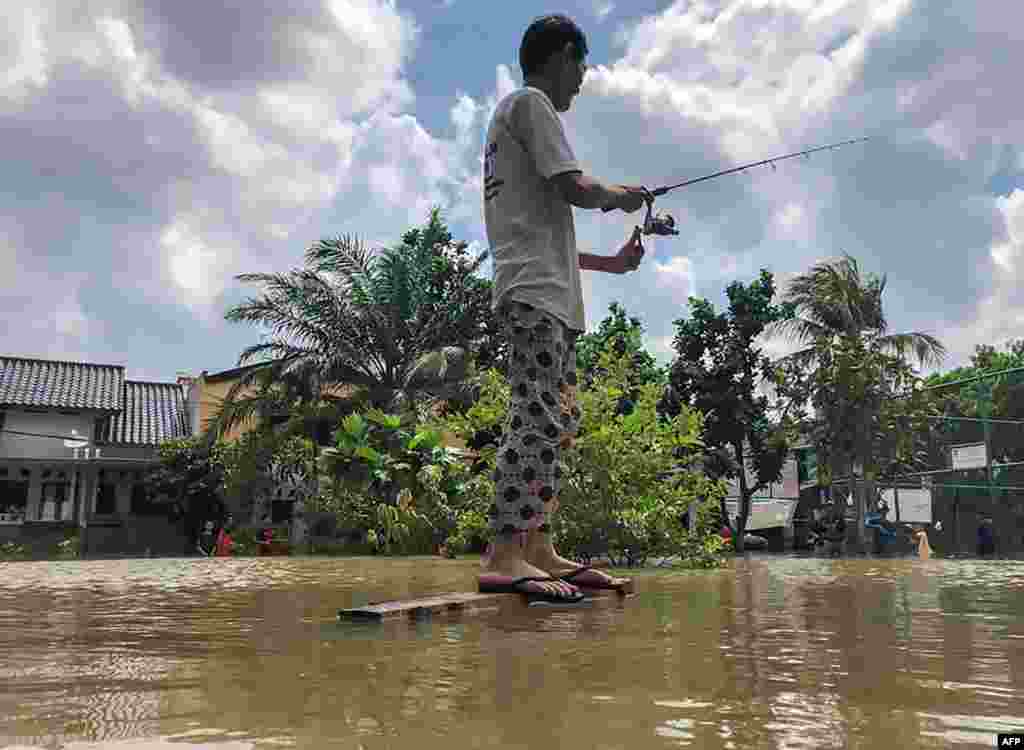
x=772, y=653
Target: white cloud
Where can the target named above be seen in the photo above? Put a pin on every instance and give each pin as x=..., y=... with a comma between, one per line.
x=120, y=38
x=178, y=155
x=676, y=274
x=602, y=9
x=713, y=84
x=23, y=62
x=1007, y=253
x=160, y=151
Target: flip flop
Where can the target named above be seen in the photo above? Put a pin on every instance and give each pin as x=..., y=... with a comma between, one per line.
x=596, y=580
x=502, y=585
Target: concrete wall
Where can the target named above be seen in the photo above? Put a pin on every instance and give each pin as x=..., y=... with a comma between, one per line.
x=961, y=516
x=207, y=402
x=48, y=423
x=137, y=537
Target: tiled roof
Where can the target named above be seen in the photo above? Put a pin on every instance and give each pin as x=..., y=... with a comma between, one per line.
x=144, y=413
x=60, y=385
x=153, y=412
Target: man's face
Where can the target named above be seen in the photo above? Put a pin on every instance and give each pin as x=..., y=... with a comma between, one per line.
x=569, y=80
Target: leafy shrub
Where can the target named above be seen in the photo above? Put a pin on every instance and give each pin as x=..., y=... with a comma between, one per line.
x=13, y=551
x=70, y=547
x=613, y=499
x=471, y=533
x=246, y=541
x=707, y=551
x=399, y=489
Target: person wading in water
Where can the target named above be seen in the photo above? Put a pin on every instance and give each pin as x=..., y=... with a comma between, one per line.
x=531, y=183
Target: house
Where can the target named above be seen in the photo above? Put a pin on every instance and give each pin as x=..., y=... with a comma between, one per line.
x=205, y=394
x=75, y=441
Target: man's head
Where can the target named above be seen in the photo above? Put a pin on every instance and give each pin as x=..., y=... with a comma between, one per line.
x=553, y=52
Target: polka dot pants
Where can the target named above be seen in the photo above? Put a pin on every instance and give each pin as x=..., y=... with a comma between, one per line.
x=542, y=418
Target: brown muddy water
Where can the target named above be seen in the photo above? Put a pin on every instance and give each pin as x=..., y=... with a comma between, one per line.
x=773, y=652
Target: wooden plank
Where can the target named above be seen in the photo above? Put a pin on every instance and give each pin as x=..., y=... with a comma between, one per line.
x=451, y=603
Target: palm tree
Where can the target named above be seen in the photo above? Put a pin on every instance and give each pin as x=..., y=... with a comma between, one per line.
x=396, y=330
x=834, y=302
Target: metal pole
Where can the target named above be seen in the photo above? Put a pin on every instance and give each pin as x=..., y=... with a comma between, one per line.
x=896, y=500
x=956, y=520
x=988, y=462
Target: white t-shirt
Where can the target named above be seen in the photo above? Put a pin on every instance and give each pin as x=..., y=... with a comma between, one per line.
x=529, y=223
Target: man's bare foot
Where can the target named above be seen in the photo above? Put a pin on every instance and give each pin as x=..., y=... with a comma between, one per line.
x=513, y=566
x=540, y=553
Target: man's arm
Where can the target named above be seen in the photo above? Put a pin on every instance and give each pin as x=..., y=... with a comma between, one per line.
x=583, y=191
x=590, y=262
x=627, y=259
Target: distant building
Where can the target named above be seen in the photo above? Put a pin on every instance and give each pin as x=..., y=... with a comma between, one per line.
x=75, y=441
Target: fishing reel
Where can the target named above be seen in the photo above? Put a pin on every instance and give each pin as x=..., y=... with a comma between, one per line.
x=658, y=223
x=661, y=223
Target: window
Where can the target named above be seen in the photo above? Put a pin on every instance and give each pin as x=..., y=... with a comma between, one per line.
x=106, y=500
x=13, y=501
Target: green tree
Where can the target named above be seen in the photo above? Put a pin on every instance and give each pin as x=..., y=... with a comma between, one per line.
x=625, y=337
x=1003, y=394
x=621, y=334
x=398, y=329
x=189, y=479
x=872, y=416
x=718, y=372
x=841, y=323
x=614, y=493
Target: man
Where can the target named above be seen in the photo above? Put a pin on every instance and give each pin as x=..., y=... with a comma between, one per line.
x=924, y=549
x=207, y=541
x=835, y=533
x=531, y=182
x=986, y=538
x=225, y=544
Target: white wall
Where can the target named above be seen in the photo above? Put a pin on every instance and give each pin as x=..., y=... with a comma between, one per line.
x=788, y=487
x=50, y=423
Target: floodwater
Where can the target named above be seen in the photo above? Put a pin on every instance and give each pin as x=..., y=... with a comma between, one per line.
x=773, y=652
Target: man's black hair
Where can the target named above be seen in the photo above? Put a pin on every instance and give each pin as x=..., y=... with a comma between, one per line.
x=546, y=36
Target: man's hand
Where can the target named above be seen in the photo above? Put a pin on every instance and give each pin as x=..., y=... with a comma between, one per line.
x=629, y=198
x=629, y=256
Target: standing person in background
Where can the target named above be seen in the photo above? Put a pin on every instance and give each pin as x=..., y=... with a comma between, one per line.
x=225, y=543
x=986, y=538
x=207, y=541
x=924, y=549
x=835, y=532
x=532, y=180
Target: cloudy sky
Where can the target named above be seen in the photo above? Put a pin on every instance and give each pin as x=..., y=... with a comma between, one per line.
x=152, y=150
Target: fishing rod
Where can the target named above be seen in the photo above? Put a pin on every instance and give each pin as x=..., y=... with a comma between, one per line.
x=664, y=224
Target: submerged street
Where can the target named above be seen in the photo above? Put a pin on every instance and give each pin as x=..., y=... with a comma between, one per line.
x=779, y=652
